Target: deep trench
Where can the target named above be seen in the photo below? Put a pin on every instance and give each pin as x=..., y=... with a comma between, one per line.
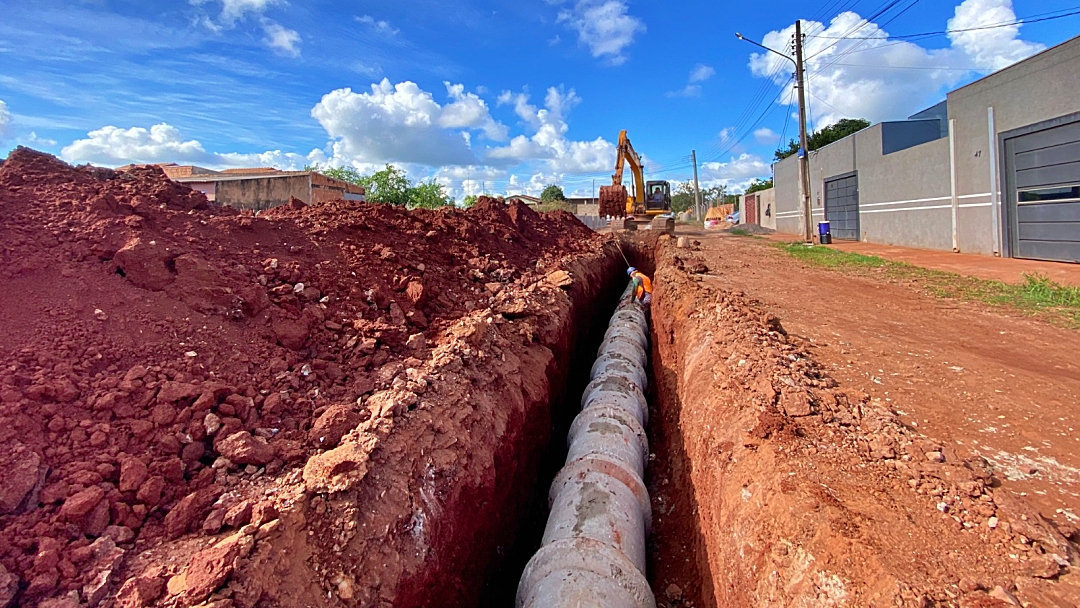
x=501, y=581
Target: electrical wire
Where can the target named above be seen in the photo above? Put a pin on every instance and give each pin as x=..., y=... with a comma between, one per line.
x=1020, y=21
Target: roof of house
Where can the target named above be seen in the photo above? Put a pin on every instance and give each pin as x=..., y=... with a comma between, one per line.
x=225, y=177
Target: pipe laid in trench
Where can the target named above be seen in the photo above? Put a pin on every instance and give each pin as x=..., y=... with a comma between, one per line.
x=593, y=550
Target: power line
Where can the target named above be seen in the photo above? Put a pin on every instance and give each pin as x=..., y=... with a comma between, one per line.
x=1021, y=21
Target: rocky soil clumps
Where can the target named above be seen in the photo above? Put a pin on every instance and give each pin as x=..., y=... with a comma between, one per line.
x=170, y=365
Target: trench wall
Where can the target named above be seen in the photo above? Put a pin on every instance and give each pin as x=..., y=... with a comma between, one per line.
x=420, y=505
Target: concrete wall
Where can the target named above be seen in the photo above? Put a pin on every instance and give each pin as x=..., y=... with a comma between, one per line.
x=1037, y=89
x=905, y=198
x=207, y=188
x=263, y=193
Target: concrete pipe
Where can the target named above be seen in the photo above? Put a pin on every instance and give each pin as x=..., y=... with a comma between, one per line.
x=620, y=348
x=609, y=431
x=628, y=329
x=578, y=572
x=615, y=366
x=639, y=352
x=587, y=501
x=626, y=403
x=633, y=314
x=593, y=549
x=616, y=387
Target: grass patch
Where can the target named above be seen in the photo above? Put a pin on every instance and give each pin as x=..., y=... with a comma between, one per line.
x=744, y=232
x=1036, y=295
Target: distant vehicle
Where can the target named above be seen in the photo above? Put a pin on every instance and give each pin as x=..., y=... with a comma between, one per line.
x=733, y=218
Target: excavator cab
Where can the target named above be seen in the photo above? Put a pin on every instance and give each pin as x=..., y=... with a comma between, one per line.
x=657, y=197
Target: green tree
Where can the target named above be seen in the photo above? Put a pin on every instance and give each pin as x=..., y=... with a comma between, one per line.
x=826, y=136
x=347, y=174
x=683, y=198
x=759, y=184
x=428, y=195
x=389, y=186
x=552, y=193
x=470, y=200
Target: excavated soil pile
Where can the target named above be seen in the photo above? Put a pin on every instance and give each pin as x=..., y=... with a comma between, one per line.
x=787, y=489
x=179, y=381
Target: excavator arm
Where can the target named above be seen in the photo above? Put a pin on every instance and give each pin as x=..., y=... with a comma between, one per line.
x=627, y=155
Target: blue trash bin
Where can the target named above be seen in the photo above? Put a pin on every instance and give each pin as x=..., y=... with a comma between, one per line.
x=824, y=235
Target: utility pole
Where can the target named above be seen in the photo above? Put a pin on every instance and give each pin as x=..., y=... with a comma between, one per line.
x=804, y=153
x=697, y=190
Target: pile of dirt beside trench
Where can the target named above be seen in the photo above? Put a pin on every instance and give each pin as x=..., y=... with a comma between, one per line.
x=171, y=366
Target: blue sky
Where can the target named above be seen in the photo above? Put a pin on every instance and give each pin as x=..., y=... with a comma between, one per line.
x=505, y=96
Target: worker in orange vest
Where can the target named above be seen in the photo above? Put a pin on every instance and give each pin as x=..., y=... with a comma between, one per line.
x=642, y=285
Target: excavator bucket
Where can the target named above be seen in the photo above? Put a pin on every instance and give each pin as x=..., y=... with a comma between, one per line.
x=613, y=201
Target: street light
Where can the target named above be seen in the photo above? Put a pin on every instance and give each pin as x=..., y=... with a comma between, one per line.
x=745, y=39
x=804, y=155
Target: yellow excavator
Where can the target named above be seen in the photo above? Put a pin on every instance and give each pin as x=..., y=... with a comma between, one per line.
x=649, y=205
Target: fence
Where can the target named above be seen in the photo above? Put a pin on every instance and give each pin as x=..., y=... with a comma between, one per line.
x=594, y=221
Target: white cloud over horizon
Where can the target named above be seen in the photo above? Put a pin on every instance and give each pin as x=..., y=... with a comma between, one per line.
x=113, y=146
x=878, y=78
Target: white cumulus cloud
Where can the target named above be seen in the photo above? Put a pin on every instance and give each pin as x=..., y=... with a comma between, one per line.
x=603, y=26
x=113, y=146
x=403, y=123
x=766, y=136
x=873, y=77
x=701, y=73
x=989, y=49
x=379, y=25
x=548, y=141
x=282, y=39
x=737, y=172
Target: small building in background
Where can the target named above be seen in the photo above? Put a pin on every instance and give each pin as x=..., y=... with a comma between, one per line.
x=263, y=187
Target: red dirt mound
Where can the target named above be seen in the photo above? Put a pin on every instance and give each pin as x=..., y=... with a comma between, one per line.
x=158, y=348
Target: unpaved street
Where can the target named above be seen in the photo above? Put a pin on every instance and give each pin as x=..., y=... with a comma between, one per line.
x=993, y=384
x=830, y=439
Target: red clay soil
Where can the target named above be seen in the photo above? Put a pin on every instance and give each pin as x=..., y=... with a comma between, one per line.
x=198, y=405
x=785, y=476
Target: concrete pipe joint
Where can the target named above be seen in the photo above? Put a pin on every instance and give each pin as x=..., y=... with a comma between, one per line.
x=593, y=550
x=618, y=347
x=626, y=403
x=617, y=387
x=609, y=431
x=623, y=335
x=612, y=365
x=593, y=498
x=578, y=572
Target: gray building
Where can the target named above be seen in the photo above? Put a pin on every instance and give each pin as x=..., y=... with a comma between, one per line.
x=994, y=169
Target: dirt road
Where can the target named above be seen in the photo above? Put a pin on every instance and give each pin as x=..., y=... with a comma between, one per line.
x=828, y=506
x=1001, y=386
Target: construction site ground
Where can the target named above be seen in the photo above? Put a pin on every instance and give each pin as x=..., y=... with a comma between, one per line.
x=878, y=510
x=352, y=404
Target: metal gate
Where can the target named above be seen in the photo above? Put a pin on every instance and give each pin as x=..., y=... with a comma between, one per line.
x=842, y=205
x=1042, y=189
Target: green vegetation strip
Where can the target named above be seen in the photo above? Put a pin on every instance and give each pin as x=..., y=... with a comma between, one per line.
x=1036, y=295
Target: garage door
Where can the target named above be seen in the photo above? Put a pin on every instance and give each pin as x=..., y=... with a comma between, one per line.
x=1043, y=189
x=842, y=206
